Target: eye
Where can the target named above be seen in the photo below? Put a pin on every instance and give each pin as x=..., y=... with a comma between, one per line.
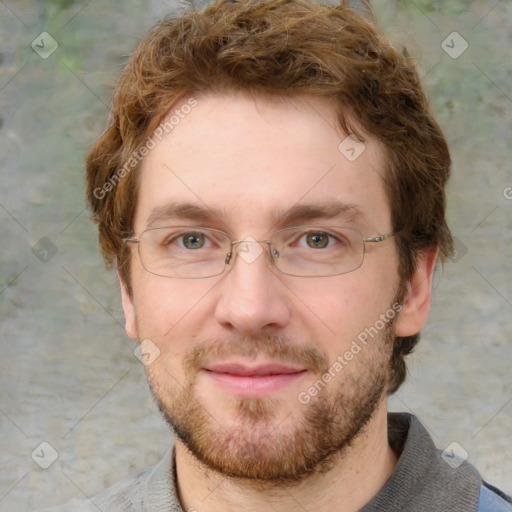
x=317, y=240
x=193, y=240
x=185, y=240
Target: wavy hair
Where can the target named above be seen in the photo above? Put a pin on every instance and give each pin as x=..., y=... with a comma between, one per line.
x=280, y=48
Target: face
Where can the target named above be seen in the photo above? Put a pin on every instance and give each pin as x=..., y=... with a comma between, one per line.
x=251, y=160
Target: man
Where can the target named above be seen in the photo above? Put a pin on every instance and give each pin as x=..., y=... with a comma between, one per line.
x=270, y=186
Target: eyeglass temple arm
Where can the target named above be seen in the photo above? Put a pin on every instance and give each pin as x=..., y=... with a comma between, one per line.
x=132, y=240
x=379, y=238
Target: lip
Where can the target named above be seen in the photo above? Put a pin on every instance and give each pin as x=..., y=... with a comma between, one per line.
x=253, y=381
x=253, y=371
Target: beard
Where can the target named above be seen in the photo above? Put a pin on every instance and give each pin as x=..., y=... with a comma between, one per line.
x=264, y=444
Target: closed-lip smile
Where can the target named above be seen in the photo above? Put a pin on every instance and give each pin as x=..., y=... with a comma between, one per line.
x=253, y=381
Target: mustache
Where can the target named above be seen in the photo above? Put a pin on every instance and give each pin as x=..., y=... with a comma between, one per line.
x=272, y=347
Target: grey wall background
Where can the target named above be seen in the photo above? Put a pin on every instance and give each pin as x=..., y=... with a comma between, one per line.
x=68, y=375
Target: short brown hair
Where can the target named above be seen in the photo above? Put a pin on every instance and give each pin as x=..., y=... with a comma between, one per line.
x=280, y=48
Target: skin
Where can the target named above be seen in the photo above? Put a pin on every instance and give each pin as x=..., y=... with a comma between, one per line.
x=251, y=156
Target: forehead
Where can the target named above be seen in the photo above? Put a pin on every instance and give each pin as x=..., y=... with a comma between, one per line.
x=251, y=162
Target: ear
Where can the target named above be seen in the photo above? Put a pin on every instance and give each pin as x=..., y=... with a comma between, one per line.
x=416, y=302
x=129, y=311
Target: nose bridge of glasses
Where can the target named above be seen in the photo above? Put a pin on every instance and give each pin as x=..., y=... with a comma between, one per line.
x=247, y=240
x=248, y=258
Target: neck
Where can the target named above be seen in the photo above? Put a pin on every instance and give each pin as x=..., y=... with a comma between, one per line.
x=354, y=479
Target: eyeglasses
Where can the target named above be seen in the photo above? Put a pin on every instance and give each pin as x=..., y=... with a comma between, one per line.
x=186, y=252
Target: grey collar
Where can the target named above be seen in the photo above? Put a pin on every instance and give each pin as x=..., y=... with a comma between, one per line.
x=422, y=479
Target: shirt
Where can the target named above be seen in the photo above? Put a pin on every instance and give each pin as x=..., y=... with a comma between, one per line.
x=422, y=481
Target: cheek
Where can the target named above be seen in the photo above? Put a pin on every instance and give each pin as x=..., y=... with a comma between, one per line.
x=168, y=311
x=340, y=309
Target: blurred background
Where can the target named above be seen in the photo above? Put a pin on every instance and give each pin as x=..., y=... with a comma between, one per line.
x=68, y=375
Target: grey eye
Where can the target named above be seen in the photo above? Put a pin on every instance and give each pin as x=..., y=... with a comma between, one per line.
x=193, y=240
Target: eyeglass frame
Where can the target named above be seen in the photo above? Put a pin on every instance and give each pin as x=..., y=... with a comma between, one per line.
x=227, y=259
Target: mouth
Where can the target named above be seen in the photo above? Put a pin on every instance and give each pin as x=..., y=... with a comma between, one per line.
x=253, y=381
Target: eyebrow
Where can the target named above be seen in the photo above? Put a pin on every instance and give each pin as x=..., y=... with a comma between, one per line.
x=348, y=212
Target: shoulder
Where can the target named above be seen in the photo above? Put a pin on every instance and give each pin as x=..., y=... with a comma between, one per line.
x=493, y=500
x=152, y=488
x=125, y=496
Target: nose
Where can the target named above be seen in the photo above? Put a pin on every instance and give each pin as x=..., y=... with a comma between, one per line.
x=253, y=297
